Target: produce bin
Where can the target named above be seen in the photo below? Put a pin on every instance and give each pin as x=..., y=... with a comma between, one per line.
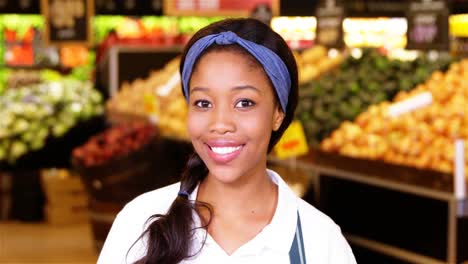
x=115, y=183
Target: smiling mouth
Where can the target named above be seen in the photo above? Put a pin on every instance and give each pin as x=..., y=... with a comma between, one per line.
x=225, y=150
x=224, y=154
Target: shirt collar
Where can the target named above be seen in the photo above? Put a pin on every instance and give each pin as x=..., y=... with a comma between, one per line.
x=279, y=234
x=282, y=228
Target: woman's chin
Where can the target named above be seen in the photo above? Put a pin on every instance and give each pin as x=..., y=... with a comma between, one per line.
x=225, y=175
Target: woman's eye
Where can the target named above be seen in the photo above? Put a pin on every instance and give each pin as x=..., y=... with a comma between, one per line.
x=244, y=103
x=202, y=104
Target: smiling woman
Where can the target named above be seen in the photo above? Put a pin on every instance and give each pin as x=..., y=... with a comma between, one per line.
x=240, y=81
x=231, y=119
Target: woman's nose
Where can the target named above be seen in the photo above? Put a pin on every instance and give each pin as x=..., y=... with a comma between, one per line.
x=222, y=121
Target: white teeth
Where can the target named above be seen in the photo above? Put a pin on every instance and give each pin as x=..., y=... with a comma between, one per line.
x=224, y=150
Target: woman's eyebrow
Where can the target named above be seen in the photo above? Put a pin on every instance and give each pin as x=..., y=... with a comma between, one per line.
x=199, y=89
x=235, y=88
x=246, y=87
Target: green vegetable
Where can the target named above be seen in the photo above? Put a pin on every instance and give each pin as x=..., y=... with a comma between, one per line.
x=32, y=114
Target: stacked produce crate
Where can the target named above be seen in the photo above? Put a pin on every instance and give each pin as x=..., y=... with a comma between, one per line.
x=66, y=199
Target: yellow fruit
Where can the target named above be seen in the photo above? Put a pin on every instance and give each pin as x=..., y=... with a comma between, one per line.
x=314, y=54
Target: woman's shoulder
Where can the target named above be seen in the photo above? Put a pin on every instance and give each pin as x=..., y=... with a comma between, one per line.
x=323, y=238
x=153, y=202
x=131, y=222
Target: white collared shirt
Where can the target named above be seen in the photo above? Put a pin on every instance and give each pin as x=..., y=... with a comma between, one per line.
x=323, y=241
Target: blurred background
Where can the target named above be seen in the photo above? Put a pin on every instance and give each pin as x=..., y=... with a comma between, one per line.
x=92, y=115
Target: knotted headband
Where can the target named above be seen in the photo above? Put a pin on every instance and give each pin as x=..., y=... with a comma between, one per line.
x=272, y=63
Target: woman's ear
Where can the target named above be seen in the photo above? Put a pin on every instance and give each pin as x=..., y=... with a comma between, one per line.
x=278, y=117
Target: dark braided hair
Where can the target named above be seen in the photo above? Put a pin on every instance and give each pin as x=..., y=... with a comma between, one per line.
x=170, y=235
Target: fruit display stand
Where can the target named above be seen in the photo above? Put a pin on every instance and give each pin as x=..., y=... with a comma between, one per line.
x=121, y=163
x=397, y=212
x=128, y=62
x=156, y=98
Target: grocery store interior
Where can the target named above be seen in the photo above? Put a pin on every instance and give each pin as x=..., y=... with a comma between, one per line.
x=92, y=115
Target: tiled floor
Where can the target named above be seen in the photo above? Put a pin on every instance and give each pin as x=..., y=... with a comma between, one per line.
x=26, y=243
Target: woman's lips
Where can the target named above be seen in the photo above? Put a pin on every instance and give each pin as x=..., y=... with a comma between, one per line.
x=224, y=153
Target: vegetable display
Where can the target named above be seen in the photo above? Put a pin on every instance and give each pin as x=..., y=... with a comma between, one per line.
x=32, y=114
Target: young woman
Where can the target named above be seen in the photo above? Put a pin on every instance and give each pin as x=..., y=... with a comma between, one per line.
x=240, y=81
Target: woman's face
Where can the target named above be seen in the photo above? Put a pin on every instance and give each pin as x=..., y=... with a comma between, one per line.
x=232, y=112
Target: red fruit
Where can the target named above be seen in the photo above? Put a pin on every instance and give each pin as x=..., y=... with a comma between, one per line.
x=10, y=35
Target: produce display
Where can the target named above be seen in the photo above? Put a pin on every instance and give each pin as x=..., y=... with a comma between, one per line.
x=21, y=42
x=115, y=142
x=149, y=28
x=157, y=98
x=74, y=55
x=19, y=78
x=17, y=40
x=146, y=30
x=358, y=83
x=314, y=62
x=423, y=137
x=31, y=114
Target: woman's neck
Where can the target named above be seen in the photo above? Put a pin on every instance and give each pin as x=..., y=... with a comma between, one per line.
x=251, y=194
x=241, y=210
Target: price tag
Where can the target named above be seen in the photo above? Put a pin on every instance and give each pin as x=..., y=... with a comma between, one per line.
x=166, y=89
x=330, y=15
x=68, y=21
x=410, y=104
x=460, y=179
x=428, y=25
x=293, y=143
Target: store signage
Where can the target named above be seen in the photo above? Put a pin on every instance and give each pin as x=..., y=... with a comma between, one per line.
x=216, y=7
x=375, y=8
x=68, y=21
x=297, y=8
x=330, y=15
x=293, y=143
x=428, y=27
x=19, y=7
x=129, y=7
x=459, y=7
x=460, y=46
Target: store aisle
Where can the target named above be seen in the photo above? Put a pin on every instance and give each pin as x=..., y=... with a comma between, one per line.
x=30, y=243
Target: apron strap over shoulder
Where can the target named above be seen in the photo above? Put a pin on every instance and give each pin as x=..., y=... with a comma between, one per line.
x=297, y=252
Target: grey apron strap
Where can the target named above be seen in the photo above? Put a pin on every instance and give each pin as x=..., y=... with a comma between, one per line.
x=297, y=252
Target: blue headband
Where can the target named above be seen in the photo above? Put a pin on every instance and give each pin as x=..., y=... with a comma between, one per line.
x=272, y=63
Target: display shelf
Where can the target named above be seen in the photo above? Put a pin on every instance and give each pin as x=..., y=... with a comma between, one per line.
x=390, y=250
x=128, y=62
x=57, y=150
x=35, y=67
x=406, y=213
x=423, y=182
